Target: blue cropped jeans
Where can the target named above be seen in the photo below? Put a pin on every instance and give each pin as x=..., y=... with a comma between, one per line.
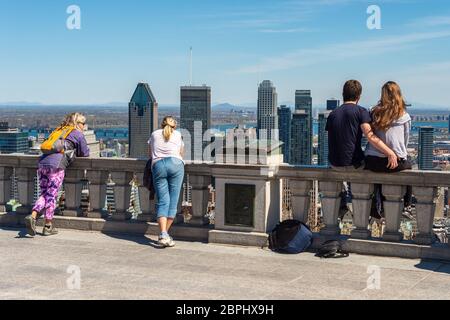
x=168, y=175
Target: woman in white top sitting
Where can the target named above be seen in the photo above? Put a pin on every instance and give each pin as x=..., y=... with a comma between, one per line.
x=166, y=150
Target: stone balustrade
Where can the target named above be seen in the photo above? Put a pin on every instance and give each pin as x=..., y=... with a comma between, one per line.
x=254, y=189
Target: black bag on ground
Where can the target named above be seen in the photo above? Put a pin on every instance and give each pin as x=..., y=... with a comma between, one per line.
x=331, y=249
x=290, y=236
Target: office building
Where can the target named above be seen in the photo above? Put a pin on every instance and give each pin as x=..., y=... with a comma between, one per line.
x=142, y=120
x=303, y=102
x=284, y=125
x=322, y=151
x=333, y=104
x=13, y=140
x=426, y=140
x=300, y=146
x=267, y=111
x=195, y=112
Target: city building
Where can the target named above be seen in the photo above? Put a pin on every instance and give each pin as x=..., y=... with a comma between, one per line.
x=93, y=144
x=426, y=140
x=142, y=120
x=195, y=110
x=323, y=139
x=284, y=125
x=332, y=104
x=267, y=117
x=300, y=144
x=13, y=140
x=449, y=124
x=303, y=103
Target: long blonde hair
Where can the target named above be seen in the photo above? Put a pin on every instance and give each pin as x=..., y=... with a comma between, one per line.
x=390, y=108
x=168, y=125
x=72, y=120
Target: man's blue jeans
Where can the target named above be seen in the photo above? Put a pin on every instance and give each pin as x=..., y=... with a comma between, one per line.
x=168, y=175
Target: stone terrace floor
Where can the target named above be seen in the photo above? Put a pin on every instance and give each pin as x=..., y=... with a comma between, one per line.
x=127, y=267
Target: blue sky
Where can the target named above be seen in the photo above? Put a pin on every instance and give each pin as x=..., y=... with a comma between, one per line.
x=310, y=44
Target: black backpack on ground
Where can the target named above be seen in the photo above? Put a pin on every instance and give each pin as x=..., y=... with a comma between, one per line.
x=331, y=249
x=290, y=236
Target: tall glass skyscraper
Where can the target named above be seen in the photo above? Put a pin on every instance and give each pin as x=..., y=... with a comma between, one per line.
x=284, y=124
x=12, y=140
x=142, y=120
x=303, y=103
x=195, y=106
x=449, y=123
x=300, y=147
x=426, y=140
x=333, y=104
x=323, y=139
x=267, y=111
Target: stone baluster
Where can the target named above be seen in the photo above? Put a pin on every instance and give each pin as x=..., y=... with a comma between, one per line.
x=300, y=198
x=97, y=192
x=5, y=186
x=147, y=205
x=72, y=188
x=393, y=207
x=122, y=192
x=362, y=200
x=425, y=208
x=25, y=185
x=200, y=198
x=330, y=207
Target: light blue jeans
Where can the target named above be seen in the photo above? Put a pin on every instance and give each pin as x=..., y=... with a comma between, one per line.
x=168, y=175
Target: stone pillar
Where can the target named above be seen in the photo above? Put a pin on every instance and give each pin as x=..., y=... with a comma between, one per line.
x=362, y=201
x=25, y=185
x=5, y=186
x=200, y=198
x=300, y=198
x=97, y=192
x=425, y=209
x=330, y=207
x=122, y=192
x=72, y=188
x=393, y=207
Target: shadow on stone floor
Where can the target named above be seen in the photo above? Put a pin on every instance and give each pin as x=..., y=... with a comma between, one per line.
x=139, y=239
x=434, y=266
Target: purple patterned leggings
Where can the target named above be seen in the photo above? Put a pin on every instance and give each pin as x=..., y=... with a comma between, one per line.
x=50, y=180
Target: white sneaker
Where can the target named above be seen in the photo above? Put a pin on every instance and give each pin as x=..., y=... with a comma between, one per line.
x=166, y=242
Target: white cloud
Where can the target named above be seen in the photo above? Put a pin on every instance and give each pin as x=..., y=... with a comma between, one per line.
x=333, y=52
x=430, y=21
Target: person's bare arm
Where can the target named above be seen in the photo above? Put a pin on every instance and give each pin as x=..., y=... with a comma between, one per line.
x=380, y=145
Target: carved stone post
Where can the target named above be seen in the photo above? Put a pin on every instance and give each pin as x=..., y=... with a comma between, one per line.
x=5, y=186
x=122, y=191
x=200, y=198
x=97, y=192
x=72, y=188
x=300, y=198
x=393, y=207
x=362, y=201
x=330, y=207
x=425, y=209
x=147, y=205
x=25, y=185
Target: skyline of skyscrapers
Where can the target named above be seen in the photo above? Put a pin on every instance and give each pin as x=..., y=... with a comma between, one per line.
x=267, y=117
x=284, y=125
x=303, y=129
x=426, y=140
x=195, y=107
x=142, y=120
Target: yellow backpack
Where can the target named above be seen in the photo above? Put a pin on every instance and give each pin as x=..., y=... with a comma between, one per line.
x=55, y=143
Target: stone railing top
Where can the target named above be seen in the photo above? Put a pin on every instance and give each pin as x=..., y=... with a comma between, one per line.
x=409, y=177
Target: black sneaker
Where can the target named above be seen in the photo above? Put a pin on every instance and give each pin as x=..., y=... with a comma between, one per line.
x=30, y=223
x=49, y=230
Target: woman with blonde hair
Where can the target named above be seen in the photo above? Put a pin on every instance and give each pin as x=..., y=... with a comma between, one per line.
x=392, y=124
x=166, y=150
x=52, y=166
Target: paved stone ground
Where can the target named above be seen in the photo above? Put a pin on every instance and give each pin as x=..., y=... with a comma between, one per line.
x=127, y=267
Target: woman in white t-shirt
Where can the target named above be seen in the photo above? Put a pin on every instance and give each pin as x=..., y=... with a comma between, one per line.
x=166, y=150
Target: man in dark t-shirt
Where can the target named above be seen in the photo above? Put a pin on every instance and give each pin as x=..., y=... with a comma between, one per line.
x=346, y=125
